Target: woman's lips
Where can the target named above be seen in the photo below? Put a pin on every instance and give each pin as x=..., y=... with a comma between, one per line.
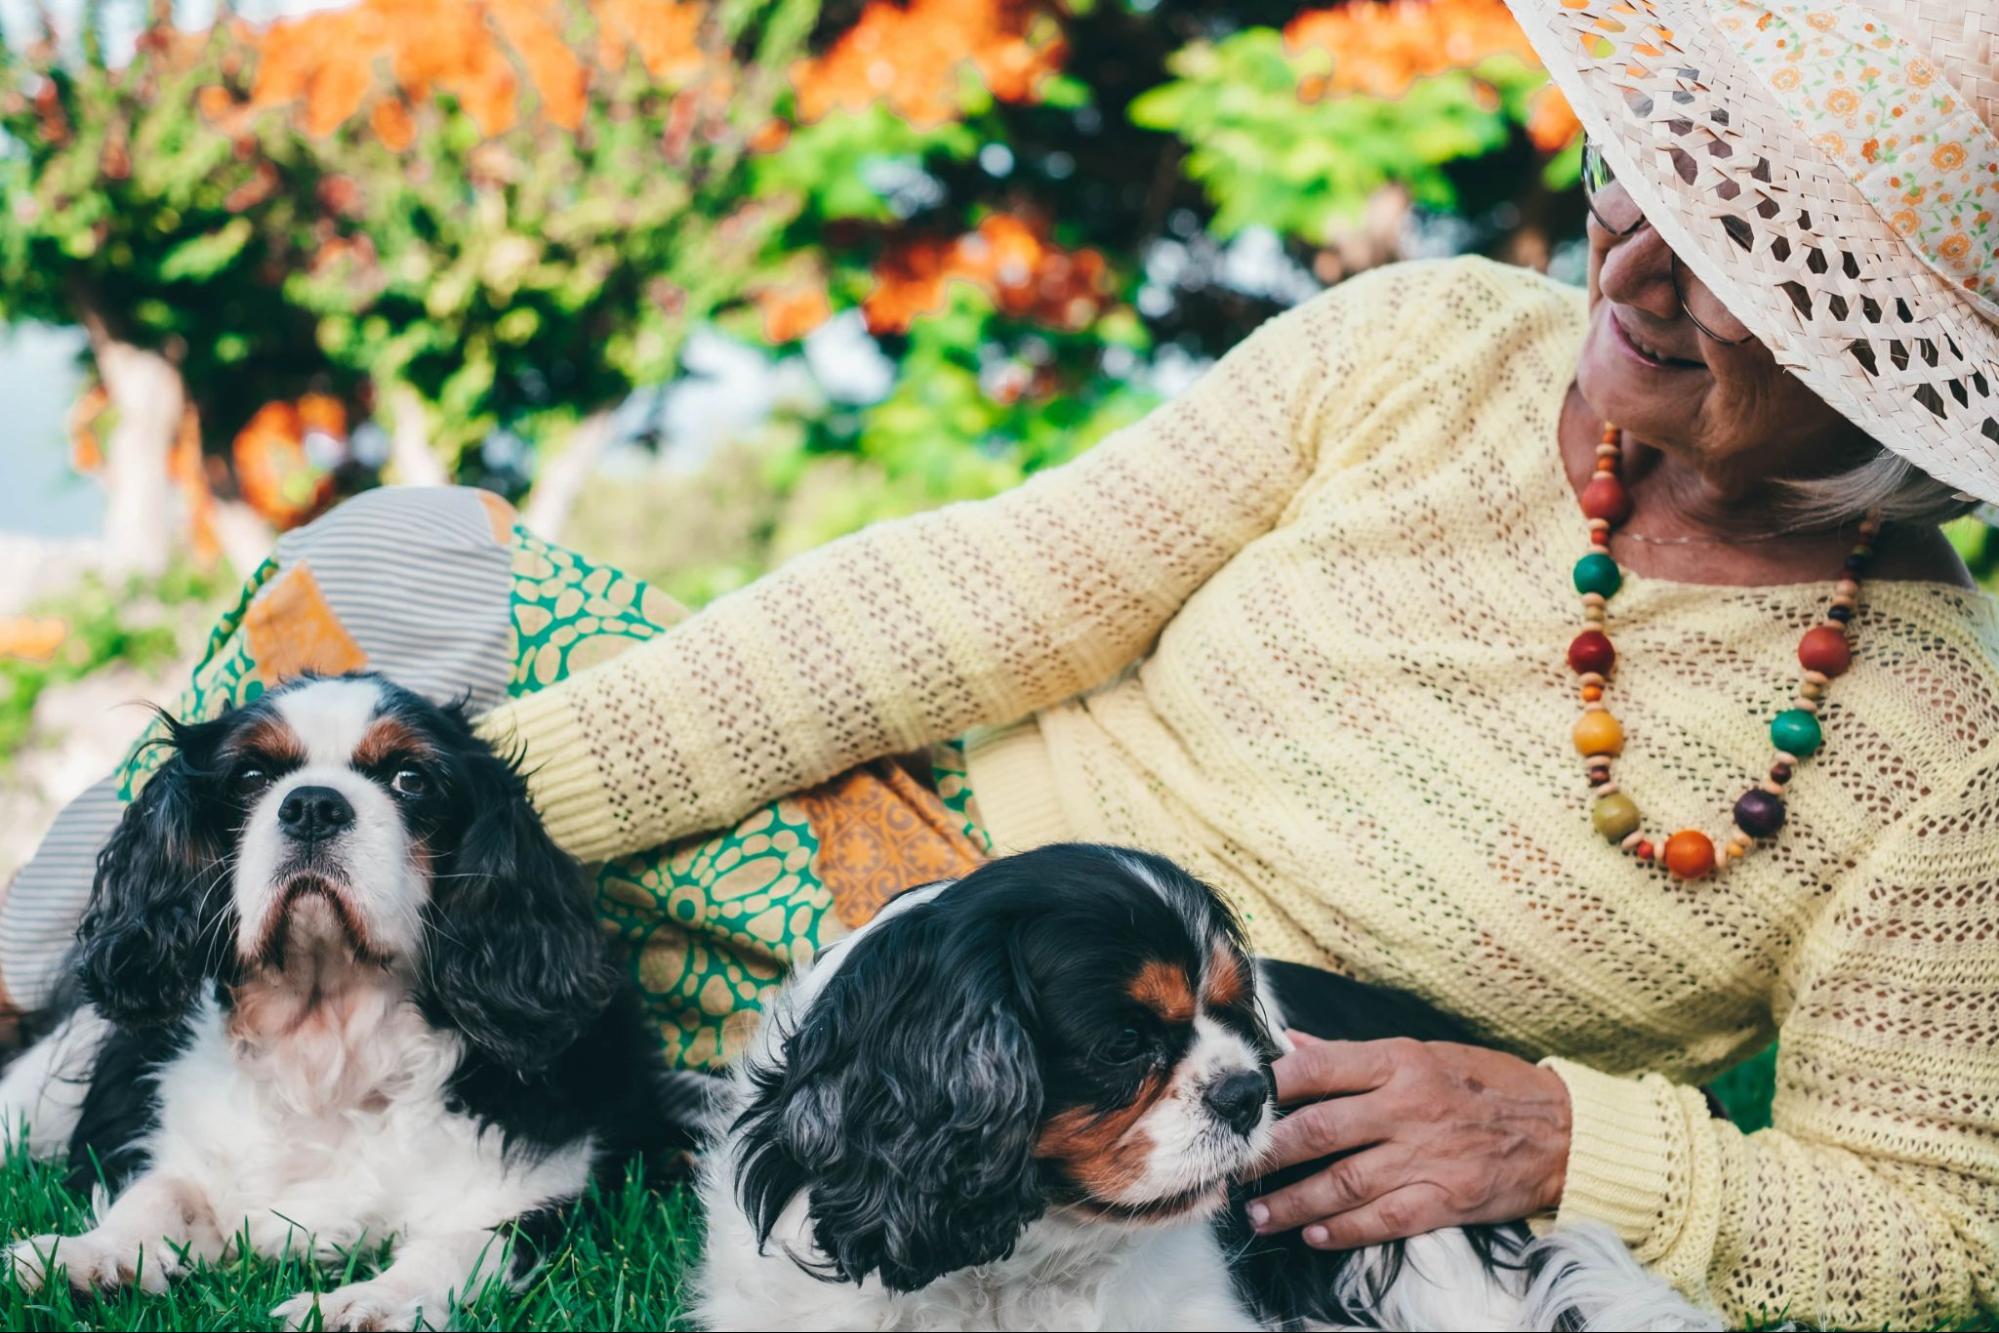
x=1650, y=359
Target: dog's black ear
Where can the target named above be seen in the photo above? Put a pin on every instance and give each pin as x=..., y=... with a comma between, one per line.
x=906, y=1107
x=514, y=960
x=161, y=915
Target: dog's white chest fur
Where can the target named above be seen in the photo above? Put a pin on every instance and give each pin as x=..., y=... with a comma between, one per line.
x=1061, y=1277
x=339, y=1135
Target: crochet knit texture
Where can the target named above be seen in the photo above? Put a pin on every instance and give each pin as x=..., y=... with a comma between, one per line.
x=1303, y=629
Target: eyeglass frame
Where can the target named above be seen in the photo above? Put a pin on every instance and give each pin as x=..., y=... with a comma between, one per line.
x=1592, y=156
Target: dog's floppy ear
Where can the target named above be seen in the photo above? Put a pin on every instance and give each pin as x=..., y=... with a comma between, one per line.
x=513, y=957
x=161, y=907
x=905, y=1108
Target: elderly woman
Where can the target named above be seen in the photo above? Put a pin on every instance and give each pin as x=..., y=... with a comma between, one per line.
x=1590, y=666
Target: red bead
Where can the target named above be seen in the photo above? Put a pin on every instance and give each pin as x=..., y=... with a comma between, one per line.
x=1825, y=649
x=1643, y=850
x=1690, y=854
x=1604, y=498
x=1591, y=651
x=1601, y=537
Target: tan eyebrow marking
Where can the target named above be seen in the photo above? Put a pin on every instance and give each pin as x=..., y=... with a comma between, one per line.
x=387, y=737
x=271, y=737
x=1163, y=988
x=1225, y=984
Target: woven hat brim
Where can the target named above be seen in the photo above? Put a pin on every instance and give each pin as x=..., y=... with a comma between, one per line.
x=1776, y=230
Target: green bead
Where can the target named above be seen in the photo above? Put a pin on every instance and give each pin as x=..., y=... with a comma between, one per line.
x=1794, y=731
x=1615, y=816
x=1597, y=572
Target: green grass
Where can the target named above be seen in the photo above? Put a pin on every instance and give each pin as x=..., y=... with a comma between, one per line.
x=620, y=1267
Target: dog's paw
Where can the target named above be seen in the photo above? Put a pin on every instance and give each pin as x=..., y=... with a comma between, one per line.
x=373, y=1305
x=95, y=1261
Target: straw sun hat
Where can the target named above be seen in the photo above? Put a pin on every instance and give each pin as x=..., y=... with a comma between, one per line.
x=1831, y=172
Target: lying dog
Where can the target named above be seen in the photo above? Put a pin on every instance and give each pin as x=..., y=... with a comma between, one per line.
x=337, y=985
x=1020, y=1100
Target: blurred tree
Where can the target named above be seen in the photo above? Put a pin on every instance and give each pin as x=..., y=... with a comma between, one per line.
x=528, y=203
x=126, y=212
x=492, y=219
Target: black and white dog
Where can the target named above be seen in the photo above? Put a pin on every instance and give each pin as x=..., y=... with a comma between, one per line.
x=336, y=985
x=1022, y=1099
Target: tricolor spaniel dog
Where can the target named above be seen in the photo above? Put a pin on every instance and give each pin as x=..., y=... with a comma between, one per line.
x=1024, y=1099
x=337, y=986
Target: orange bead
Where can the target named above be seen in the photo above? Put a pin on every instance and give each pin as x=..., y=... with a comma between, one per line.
x=1606, y=498
x=1591, y=693
x=1597, y=732
x=1690, y=854
x=1825, y=650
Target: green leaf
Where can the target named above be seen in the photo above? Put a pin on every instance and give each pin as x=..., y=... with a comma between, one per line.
x=201, y=257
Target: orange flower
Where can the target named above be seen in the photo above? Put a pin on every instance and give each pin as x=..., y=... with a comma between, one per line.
x=791, y=312
x=1380, y=47
x=912, y=55
x=1551, y=121
x=1009, y=258
x=276, y=477
x=1786, y=79
x=1821, y=20
x=1954, y=247
x=1920, y=73
x=392, y=124
x=328, y=64
x=665, y=35
x=1948, y=156
x=31, y=638
x=1832, y=145
x=1870, y=149
x=1905, y=222
x=1842, y=101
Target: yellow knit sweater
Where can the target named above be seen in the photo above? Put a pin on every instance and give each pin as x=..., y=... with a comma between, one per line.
x=1303, y=629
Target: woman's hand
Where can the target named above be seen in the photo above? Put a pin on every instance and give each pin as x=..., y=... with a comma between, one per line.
x=1440, y=1134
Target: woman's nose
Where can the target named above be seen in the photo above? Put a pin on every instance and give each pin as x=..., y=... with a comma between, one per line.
x=1637, y=270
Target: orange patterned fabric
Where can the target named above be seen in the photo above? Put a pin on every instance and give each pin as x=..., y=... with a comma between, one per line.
x=291, y=629
x=881, y=832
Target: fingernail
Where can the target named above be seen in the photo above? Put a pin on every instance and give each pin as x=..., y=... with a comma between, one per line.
x=1315, y=1236
x=1258, y=1215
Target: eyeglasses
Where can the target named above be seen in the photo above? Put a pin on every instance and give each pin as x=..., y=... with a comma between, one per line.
x=1617, y=213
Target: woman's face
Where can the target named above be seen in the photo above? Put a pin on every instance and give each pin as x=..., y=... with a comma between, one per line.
x=1728, y=410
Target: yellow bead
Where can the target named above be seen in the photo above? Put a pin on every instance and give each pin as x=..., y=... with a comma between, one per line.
x=1597, y=732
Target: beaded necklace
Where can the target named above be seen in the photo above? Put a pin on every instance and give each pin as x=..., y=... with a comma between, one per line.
x=1823, y=653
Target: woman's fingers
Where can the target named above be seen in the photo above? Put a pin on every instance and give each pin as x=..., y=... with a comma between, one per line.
x=1341, y=1187
x=1396, y=1215
x=1322, y=1068
x=1321, y=1129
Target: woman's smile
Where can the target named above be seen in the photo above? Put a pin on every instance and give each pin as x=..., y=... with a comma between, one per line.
x=1647, y=352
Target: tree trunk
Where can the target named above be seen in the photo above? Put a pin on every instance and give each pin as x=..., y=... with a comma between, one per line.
x=560, y=477
x=148, y=397
x=412, y=459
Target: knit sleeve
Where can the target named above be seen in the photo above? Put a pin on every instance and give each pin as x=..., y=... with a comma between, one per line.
x=916, y=630
x=1873, y=1199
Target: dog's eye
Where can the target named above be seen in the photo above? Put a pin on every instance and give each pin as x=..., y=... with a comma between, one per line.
x=1126, y=1046
x=250, y=781
x=409, y=782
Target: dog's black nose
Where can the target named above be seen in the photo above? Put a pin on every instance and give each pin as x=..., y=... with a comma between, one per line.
x=1237, y=1100
x=312, y=813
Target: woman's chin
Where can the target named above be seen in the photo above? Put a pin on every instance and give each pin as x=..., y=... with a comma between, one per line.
x=1651, y=405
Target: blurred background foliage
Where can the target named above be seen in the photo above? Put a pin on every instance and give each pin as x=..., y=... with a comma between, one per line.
x=702, y=283
x=479, y=240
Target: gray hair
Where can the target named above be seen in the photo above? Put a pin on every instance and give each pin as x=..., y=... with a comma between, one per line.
x=1903, y=492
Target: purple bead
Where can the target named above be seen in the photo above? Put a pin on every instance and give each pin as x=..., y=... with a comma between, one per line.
x=1840, y=613
x=1758, y=813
